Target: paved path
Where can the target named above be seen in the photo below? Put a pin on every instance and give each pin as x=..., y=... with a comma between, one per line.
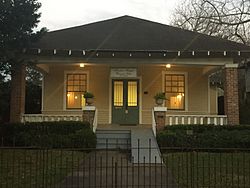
x=144, y=147
x=108, y=169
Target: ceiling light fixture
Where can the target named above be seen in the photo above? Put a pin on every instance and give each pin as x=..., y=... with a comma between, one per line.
x=168, y=66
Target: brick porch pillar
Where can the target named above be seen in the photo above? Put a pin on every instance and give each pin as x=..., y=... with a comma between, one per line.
x=89, y=114
x=231, y=95
x=17, y=97
x=160, y=117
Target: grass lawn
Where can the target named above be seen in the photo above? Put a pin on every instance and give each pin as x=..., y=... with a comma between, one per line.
x=26, y=168
x=203, y=169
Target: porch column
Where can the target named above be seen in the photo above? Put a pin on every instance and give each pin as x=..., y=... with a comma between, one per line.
x=17, y=97
x=231, y=95
x=160, y=117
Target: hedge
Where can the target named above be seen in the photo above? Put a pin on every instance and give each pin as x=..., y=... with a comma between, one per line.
x=202, y=136
x=48, y=134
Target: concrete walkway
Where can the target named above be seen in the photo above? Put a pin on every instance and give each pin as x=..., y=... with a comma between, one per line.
x=106, y=169
x=144, y=147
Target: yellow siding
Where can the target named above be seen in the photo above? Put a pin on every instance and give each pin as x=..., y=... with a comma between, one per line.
x=151, y=82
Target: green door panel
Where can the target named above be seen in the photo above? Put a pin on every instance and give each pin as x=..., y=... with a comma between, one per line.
x=125, y=102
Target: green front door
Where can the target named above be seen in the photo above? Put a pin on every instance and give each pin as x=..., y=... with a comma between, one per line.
x=125, y=102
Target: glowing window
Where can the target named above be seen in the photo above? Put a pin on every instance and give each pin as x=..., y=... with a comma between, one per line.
x=75, y=88
x=132, y=93
x=118, y=93
x=175, y=91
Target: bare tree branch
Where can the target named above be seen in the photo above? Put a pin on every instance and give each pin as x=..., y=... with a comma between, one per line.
x=228, y=19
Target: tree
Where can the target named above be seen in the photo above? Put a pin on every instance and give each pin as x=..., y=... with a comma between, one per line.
x=18, y=18
x=229, y=19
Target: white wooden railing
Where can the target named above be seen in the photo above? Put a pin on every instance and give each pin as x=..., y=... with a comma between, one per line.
x=153, y=123
x=48, y=118
x=95, y=121
x=196, y=119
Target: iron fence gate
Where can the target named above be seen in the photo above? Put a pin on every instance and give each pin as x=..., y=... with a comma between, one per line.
x=30, y=167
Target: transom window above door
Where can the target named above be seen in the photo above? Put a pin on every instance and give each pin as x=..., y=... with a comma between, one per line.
x=175, y=91
x=76, y=85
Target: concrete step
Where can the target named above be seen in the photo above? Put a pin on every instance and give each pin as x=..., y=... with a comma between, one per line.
x=113, y=139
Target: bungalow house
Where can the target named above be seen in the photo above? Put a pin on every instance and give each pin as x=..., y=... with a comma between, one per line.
x=124, y=62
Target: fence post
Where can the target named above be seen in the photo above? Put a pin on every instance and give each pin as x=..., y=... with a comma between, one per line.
x=116, y=171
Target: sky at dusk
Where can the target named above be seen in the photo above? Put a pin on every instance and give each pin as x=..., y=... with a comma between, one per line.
x=58, y=14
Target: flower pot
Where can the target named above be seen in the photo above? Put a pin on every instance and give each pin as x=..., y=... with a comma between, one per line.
x=159, y=102
x=89, y=101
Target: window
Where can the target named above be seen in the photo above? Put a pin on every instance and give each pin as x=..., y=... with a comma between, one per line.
x=118, y=93
x=132, y=93
x=175, y=91
x=76, y=86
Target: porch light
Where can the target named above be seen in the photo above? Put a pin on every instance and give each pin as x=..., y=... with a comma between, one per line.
x=168, y=66
x=76, y=97
x=82, y=65
x=68, y=95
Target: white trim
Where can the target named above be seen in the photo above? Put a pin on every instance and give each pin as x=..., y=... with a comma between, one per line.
x=160, y=109
x=231, y=65
x=110, y=100
x=216, y=101
x=140, y=99
x=186, y=85
x=88, y=108
x=132, y=62
x=65, y=83
x=208, y=96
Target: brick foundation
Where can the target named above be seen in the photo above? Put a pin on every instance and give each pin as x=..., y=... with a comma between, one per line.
x=17, y=98
x=231, y=95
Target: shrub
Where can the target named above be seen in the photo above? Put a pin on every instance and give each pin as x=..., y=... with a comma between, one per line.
x=201, y=136
x=48, y=134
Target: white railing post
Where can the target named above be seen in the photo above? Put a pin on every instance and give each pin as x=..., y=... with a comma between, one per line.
x=182, y=120
x=215, y=120
x=208, y=120
x=176, y=120
x=170, y=120
x=201, y=120
x=221, y=120
x=195, y=120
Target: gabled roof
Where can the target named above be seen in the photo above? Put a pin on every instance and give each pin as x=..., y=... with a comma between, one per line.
x=128, y=33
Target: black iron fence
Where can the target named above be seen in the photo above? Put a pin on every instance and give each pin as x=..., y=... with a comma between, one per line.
x=34, y=167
